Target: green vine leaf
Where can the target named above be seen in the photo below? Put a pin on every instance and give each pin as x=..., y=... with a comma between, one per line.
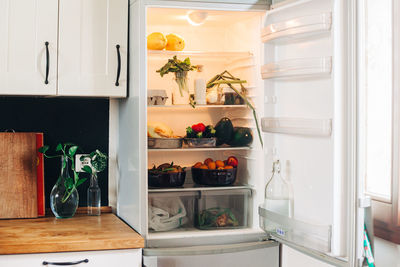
x=80, y=181
x=43, y=149
x=87, y=169
x=59, y=147
x=72, y=150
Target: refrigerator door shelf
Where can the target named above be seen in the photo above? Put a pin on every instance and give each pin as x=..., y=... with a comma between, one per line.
x=297, y=28
x=316, y=237
x=298, y=126
x=298, y=68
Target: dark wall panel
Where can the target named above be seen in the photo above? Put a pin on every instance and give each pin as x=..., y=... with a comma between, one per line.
x=83, y=122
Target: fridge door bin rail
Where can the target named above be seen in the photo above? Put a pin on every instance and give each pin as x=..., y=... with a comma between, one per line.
x=209, y=249
x=297, y=126
x=316, y=237
x=297, y=68
x=297, y=28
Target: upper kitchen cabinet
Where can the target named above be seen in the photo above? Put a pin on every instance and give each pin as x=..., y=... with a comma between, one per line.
x=28, y=47
x=92, y=59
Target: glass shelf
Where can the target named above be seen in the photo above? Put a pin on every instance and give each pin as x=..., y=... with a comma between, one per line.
x=186, y=149
x=197, y=106
x=196, y=188
x=204, y=54
x=317, y=237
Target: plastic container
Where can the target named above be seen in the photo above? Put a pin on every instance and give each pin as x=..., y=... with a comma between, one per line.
x=200, y=142
x=225, y=209
x=157, y=179
x=214, y=177
x=156, y=97
x=231, y=97
x=164, y=143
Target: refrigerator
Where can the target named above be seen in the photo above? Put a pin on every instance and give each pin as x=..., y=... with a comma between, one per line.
x=299, y=59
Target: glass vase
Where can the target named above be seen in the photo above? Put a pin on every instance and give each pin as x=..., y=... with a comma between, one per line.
x=94, y=196
x=64, y=197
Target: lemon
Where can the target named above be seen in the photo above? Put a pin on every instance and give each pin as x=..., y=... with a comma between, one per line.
x=156, y=41
x=175, y=42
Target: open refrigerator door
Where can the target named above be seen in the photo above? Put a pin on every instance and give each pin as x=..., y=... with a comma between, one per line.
x=311, y=127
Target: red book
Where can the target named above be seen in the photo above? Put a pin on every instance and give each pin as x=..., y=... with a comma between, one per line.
x=40, y=176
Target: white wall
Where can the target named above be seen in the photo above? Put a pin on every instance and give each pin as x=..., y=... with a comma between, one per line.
x=387, y=254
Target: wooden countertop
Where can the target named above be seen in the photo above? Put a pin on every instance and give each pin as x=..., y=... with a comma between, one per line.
x=80, y=233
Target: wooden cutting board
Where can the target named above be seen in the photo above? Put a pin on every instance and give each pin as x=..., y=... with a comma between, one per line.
x=18, y=177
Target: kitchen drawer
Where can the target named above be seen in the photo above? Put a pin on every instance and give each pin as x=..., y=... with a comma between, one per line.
x=105, y=258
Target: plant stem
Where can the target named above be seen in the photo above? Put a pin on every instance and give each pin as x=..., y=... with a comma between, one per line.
x=66, y=196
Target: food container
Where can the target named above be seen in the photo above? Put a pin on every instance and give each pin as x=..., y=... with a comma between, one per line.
x=164, y=143
x=214, y=177
x=156, y=97
x=225, y=209
x=200, y=142
x=231, y=97
x=159, y=179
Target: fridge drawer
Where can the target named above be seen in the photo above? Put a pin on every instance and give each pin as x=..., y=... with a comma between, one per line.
x=200, y=210
x=120, y=258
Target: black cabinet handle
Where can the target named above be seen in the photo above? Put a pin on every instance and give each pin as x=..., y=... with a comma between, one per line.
x=65, y=263
x=119, y=65
x=47, y=63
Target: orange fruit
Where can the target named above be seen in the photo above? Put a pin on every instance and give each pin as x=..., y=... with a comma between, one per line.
x=197, y=165
x=211, y=165
x=208, y=160
x=220, y=168
x=219, y=163
x=228, y=167
x=203, y=167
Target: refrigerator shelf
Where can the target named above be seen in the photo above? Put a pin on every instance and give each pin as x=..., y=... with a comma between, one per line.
x=196, y=188
x=197, y=106
x=294, y=68
x=198, y=149
x=203, y=54
x=316, y=237
x=297, y=28
x=297, y=126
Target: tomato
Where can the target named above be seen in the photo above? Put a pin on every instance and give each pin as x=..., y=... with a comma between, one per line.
x=232, y=161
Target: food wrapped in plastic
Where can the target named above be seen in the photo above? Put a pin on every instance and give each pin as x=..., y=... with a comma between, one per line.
x=166, y=214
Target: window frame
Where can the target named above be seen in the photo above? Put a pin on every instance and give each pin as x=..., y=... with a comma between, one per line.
x=386, y=214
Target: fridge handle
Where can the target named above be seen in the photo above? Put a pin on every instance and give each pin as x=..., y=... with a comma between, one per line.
x=209, y=249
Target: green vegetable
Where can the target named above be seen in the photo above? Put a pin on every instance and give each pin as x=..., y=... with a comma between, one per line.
x=226, y=78
x=180, y=68
x=209, y=132
x=217, y=217
x=223, y=131
x=242, y=136
x=190, y=133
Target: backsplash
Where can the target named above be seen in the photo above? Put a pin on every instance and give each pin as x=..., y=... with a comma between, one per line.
x=84, y=122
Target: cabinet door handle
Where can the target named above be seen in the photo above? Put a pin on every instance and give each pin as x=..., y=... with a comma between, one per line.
x=65, y=263
x=119, y=65
x=46, y=81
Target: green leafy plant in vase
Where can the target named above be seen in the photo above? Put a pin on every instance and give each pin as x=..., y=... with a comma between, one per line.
x=64, y=197
x=180, y=69
x=98, y=162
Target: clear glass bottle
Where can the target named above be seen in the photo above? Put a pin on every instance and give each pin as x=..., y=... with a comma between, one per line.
x=94, y=196
x=278, y=193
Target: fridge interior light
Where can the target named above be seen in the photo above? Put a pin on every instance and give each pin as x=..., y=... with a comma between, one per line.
x=197, y=18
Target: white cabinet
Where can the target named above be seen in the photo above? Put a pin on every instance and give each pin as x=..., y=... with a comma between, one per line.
x=93, y=48
x=26, y=26
x=106, y=258
x=65, y=47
